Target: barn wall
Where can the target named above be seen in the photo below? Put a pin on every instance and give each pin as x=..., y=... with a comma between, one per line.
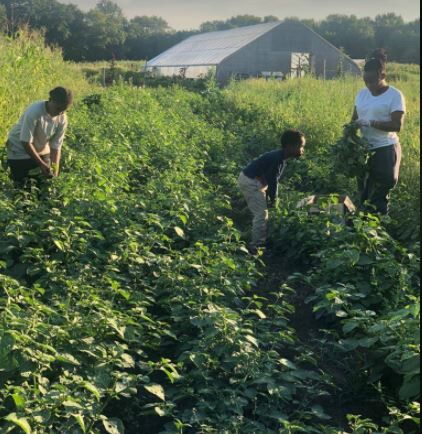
x=176, y=71
x=272, y=52
x=255, y=58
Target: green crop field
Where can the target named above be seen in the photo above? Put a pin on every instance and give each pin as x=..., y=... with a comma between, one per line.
x=129, y=303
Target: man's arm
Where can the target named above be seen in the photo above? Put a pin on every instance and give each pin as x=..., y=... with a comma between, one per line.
x=56, y=143
x=355, y=115
x=29, y=148
x=395, y=125
x=55, y=160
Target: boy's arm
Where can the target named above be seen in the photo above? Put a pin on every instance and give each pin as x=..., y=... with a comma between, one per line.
x=272, y=179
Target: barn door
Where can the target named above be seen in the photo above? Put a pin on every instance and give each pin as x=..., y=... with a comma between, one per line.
x=300, y=64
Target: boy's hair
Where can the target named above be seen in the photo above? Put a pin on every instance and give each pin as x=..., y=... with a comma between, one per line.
x=377, y=62
x=292, y=137
x=61, y=95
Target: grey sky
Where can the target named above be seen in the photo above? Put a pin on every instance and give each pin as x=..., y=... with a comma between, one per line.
x=189, y=14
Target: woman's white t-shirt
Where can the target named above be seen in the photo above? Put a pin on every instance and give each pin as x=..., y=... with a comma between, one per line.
x=379, y=108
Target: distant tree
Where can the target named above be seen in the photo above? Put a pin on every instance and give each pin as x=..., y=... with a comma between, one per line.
x=105, y=30
x=3, y=18
x=355, y=35
x=147, y=26
x=212, y=26
x=232, y=23
x=386, y=27
x=104, y=33
x=313, y=24
x=142, y=34
x=270, y=19
x=244, y=20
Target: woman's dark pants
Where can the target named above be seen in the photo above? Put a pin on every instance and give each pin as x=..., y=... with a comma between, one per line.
x=382, y=177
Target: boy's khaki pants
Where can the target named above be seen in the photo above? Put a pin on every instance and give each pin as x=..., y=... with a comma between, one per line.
x=255, y=195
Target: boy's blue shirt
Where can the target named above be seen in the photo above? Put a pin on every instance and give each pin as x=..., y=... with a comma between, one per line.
x=269, y=167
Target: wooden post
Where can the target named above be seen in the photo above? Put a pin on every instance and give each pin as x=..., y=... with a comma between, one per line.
x=325, y=69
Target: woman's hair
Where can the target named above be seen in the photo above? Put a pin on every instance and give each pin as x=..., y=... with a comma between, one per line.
x=61, y=95
x=377, y=62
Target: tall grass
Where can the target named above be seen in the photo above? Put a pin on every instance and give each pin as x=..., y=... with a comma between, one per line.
x=28, y=70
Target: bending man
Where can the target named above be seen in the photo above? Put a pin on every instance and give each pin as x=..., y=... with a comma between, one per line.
x=36, y=140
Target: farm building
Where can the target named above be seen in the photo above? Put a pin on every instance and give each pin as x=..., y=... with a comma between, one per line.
x=280, y=49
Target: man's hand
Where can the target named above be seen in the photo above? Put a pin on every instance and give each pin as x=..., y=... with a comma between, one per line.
x=46, y=170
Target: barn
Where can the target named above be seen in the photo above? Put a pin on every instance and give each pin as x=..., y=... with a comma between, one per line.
x=280, y=49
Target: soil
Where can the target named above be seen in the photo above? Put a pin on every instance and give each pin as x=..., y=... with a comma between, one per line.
x=352, y=394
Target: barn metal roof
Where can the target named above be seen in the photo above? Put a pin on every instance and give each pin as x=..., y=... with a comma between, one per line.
x=210, y=48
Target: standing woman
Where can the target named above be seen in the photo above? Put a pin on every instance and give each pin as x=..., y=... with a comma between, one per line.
x=36, y=140
x=379, y=112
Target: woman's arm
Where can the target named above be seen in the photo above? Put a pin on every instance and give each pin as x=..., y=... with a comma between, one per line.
x=395, y=125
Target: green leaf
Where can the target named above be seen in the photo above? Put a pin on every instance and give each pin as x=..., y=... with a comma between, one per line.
x=179, y=231
x=72, y=404
x=21, y=422
x=341, y=314
x=350, y=326
x=6, y=344
x=183, y=218
x=412, y=365
x=93, y=389
x=19, y=401
x=367, y=342
x=59, y=245
x=114, y=426
x=156, y=390
x=252, y=340
x=365, y=260
x=411, y=388
x=160, y=411
x=288, y=363
x=260, y=314
x=318, y=411
x=80, y=419
x=229, y=262
x=68, y=358
x=128, y=361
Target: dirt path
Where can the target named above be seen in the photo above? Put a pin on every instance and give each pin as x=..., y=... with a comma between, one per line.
x=350, y=393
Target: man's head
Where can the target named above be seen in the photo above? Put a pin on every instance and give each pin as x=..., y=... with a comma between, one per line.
x=60, y=100
x=293, y=143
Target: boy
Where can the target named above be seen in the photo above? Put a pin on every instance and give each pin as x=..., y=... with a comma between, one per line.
x=259, y=183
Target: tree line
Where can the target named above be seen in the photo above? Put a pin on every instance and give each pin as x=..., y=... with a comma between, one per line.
x=104, y=32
